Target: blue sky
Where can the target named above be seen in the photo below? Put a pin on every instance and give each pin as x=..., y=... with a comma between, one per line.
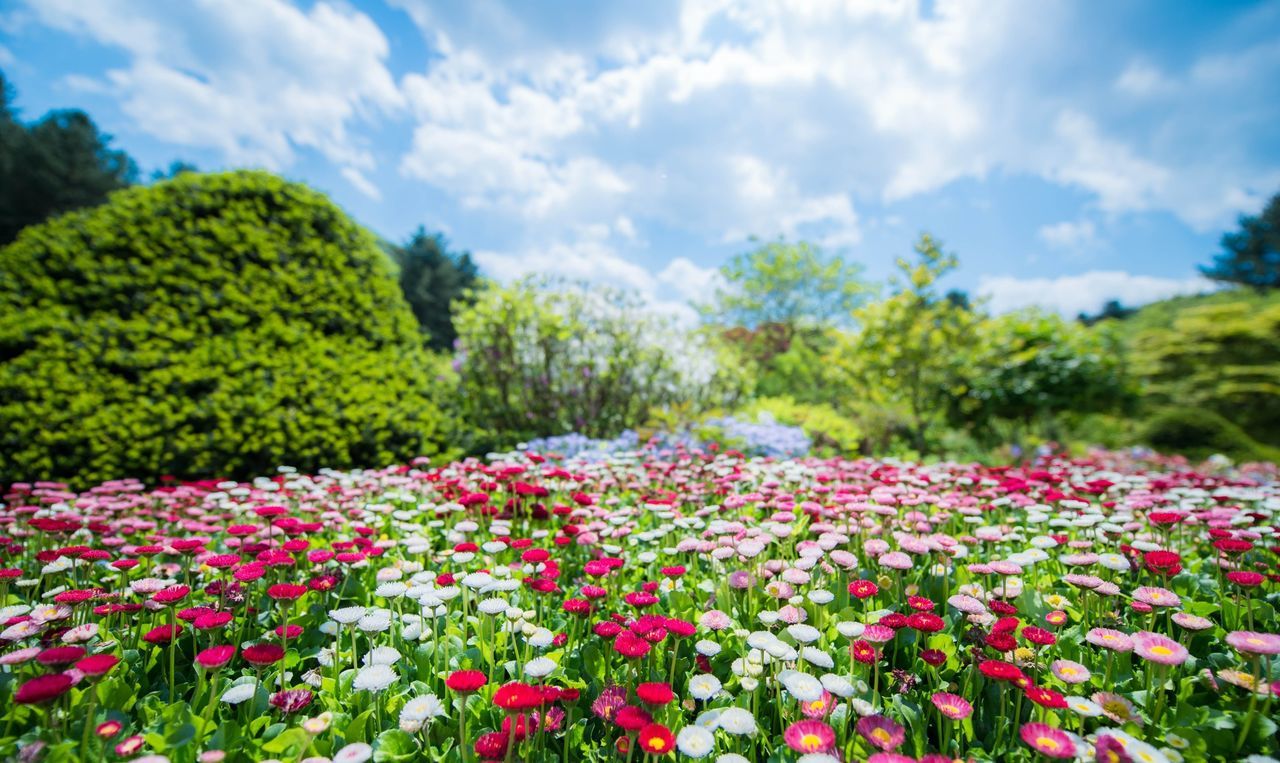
x=1067, y=152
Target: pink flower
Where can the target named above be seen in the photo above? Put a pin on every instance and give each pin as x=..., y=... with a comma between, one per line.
x=1109, y=639
x=953, y=706
x=1159, y=649
x=1156, y=596
x=809, y=736
x=1047, y=740
x=1070, y=672
x=1251, y=642
x=882, y=732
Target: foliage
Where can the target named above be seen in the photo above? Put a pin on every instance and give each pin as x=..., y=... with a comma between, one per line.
x=831, y=432
x=433, y=280
x=911, y=348
x=1251, y=255
x=1032, y=366
x=1221, y=354
x=1111, y=311
x=542, y=357
x=1201, y=433
x=208, y=325
x=58, y=164
x=792, y=285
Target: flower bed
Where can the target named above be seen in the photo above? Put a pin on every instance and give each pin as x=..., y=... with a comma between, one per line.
x=656, y=606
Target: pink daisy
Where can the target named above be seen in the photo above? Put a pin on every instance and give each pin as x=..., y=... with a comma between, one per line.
x=953, y=706
x=882, y=732
x=1047, y=740
x=1109, y=639
x=1070, y=672
x=809, y=736
x=1159, y=649
x=1251, y=642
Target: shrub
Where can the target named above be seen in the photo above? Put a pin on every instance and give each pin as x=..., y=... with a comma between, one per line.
x=830, y=432
x=210, y=325
x=542, y=358
x=1201, y=433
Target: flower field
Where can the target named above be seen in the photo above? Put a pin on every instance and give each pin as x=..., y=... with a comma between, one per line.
x=647, y=606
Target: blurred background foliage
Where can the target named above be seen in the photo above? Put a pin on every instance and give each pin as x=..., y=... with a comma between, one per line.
x=218, y=325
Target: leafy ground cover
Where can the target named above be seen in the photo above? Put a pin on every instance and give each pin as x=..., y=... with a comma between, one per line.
x=648, y=606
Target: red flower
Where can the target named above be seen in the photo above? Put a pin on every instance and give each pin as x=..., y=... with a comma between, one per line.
x=628, y=645
x=632, y=718
x=655, y=693
x=466, y=681
x=43, y=689
x=1038, y=636
x=926, y=622
x=934, y=657
x=97, y=665
x=60, y=655
x=291, y=701
x=286, y=591
x=920, y=603
x=656, y=739
x=215, y=656
x=171, y=595
x=212, y=620
x=165, y=634
x=263, y=654
x=1246, y=579
x=517, y=697
x=1000, y=671
x=863, y=589
x=492, y=745
x=863, y=651
x=1046, y=697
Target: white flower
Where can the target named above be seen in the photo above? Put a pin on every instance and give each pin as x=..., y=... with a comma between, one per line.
x=239, y=693
x=347, y=615
x=391, y=590
x=707, y=648
x=1084, y=706
x=731, y=757
x=695, y=741
x=493, y=606
x=704, y=686
x=817, y=757
x=816, y=656
x=541, y=638
x=802, y=686
x=374, y=622
x=356, y=752
x=422, y=709
x=805, y=634
x=709, y=719
x=850, y=630
x=80, y=633
x=539, y=667
x=738, y=721
x=748, y=683
x=381, y=655
x=837, y=685
x=374, y=678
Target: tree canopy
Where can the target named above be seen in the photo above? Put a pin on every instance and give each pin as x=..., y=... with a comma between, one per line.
x=1251, y=255
x=433, y=279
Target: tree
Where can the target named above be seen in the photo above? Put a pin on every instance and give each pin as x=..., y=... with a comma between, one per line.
x=1251, y=256
x=1030, y=367
x=790, y=284
x=176, y=168
x=435, y=282
x=213, y=325
x=911, y=348
x=56, y=165
x=544, y=358
x=1111, y=311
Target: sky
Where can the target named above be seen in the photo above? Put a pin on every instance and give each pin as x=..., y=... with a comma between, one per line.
x=1068, y=153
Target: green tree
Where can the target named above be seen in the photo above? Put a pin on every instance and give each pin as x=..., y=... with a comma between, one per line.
x=1221, y=354
x=544, y=358
x=209, y=325
x=58, y=164
x=1031, y=368
x=793, y=285
x=1251, y=255
x=911, y=348
x=435, y=282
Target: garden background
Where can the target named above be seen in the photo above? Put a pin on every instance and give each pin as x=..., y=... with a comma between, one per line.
x=199, y=325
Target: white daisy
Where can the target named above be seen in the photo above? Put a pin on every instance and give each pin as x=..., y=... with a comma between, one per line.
x=695, y=741
x=374, y=678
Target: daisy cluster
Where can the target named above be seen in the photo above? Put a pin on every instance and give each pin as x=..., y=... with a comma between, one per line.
x=647, y=605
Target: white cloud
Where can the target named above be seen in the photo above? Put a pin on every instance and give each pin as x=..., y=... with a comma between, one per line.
x=255, y=79
x=1070, y=235
x=1085, y=292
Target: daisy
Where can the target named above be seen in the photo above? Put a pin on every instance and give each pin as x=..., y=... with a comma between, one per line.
x=239, y=693
x=1047, y=740
x=1117, y=708
x=953, y=706
x=374, y=678
x=704, y=686
x=737, y=721
x=881, y=731
x=356, y=752
x=539, y=667
x=1109, y=639
x=809, y=736
x=1084, y=706
x=695, y=741
x=1251, y=642
x=1070, y=672
x=1159, y=649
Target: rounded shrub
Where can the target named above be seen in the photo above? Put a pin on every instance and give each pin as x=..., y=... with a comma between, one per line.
x=212, y=325
x=1200, y=433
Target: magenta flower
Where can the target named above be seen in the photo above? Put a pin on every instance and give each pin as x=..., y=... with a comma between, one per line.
x=1251, y=642
x=882, y=732
x=953, y=706
x=809, y=736
x=1048, y=741
x=1109, y=639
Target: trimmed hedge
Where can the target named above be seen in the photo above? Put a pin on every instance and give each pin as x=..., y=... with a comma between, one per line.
x=211, y=325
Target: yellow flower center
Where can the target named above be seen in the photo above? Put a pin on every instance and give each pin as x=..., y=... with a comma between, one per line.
x=881, y=736
x=657, y=743
x=1052, y=744
x=810, y=741
x=1163, y=651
